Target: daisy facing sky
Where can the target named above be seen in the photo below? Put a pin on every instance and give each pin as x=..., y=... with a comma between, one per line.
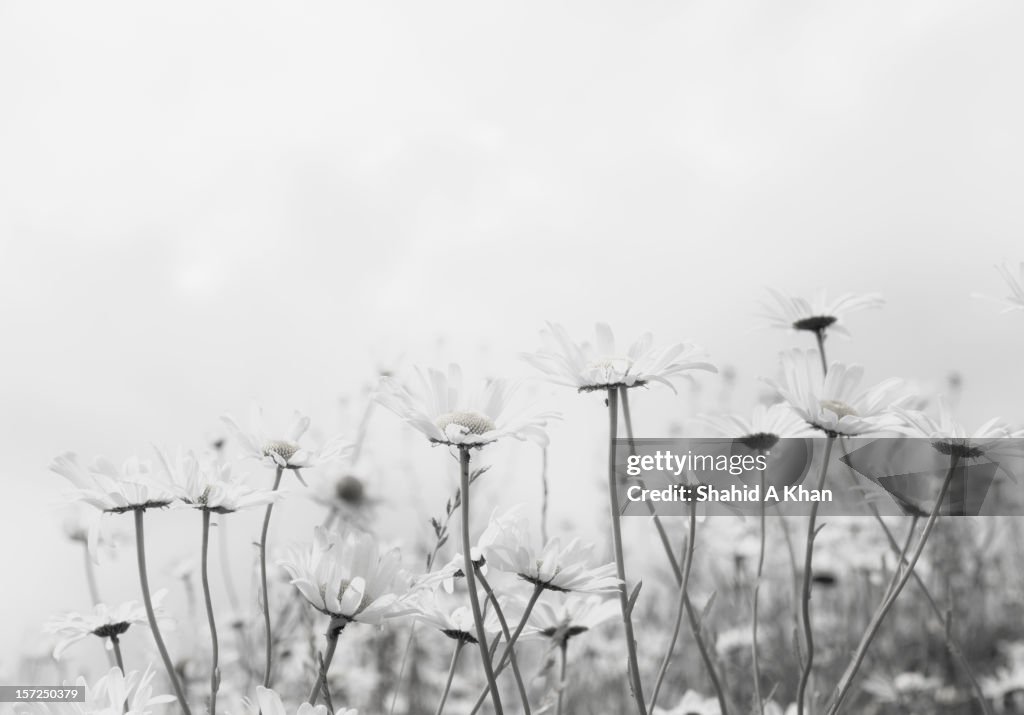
x=282, y=448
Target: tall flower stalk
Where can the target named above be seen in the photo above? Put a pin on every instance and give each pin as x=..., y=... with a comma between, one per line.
x=268, y=658
x=215, y=647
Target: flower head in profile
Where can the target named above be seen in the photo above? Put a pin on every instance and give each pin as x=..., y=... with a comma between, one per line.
x=438, y=407
x=282, y=449
x=950, y=437
x=819, y=315
x=345, y=577
x=134, y=486
x=270, y=704
x=835, y=404
x=209, y=485
x=113, y=694
x=505, y=545
x=1015, y=282
x=763, y=429
x=569, y=616
x=104, y=622
x=600, y=365
x=452, y=617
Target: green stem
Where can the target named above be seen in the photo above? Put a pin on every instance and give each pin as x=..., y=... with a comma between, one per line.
x=263, y=582
x=140, y=548
x=469, y=571
x=215, y=653
x=451, y=676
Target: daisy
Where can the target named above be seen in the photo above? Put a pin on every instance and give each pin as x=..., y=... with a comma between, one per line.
x=345, y=577
x=505, y=545
x=282, y=449
x=456, y=623
x=446, y=575
x=570, y=616
x=113, y=694
x=209, y=485
x=438, y=407
x=104, y=622
x=763, y=429
x=1014, y=301
x=818, y=315
x=270, y=704
x=693, y=704
x=133, y=487
x=833, y=404
x=949, y=436
x=601, y=366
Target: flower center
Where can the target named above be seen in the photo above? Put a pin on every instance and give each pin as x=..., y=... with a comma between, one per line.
x=471, y=421
x=109, y=630
x=350, y=490
x=841, y=409
x=280, y=447
x=759, y=441
x=815, y=324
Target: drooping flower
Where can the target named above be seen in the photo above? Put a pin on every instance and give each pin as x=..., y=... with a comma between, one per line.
x=763, y=429
x=345, y=577
x=104, y=622
x=601, y=366
x=833, y=404
x=209, y=484
x=283, y=449
x=818, y=315
x=439, y=408
x=270, y=704
x=506, y=547
x=569, y=615
x=1014, y=301
x=135, y=486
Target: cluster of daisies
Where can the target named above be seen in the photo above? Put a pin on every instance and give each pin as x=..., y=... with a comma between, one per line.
x=551, y=592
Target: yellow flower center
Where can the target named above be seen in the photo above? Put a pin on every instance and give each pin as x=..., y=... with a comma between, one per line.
x=841, y=409
x=471, y=421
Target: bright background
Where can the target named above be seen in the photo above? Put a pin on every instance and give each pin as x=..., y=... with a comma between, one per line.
x=205, y=203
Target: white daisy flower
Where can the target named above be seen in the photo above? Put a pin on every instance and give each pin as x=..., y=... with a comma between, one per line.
x=455, y=622
x=763, y=429
x=570, y=615
x=283, y=449
x=208, y=484
x=104, y=622
x=601, y=366
x=446, y=575
x=692, y=703
x=345, y=577
x=950, y=437
x=1014, y=301
x=270, y=704
x=104, y=486
x=818, y=315
x=439, y=408
x=113, y=694
x=505, y=545
x=833, y=404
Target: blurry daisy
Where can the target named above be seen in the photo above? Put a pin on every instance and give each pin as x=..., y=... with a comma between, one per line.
x=270, y=704
x=763, y=429
x=103, y=622
x=833, y=404
x=1014, y=301
x=282, y=449
x=601, y=366
x=818, y=315
x=109, y=489
x=209, y=484
x=346, y=578
x=570, y=615
x=454, y=622
x=907, y=688
x=950, y=437
x=113, y=693
x=692, y=703
x=505, y=545
x=438, y=407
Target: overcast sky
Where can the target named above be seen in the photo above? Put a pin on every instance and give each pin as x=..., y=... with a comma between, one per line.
x=207, y=203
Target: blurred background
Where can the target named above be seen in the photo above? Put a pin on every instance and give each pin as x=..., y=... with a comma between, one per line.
x=204, y=204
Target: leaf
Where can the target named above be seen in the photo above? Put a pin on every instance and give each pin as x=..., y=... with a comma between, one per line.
x=708, y=606
x=632, y=597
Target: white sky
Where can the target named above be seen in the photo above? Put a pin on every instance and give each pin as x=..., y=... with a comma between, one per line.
x=204, y=203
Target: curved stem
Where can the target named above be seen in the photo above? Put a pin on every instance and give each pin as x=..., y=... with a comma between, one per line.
x=263, y=581
x=115, y=642
x=757, y=591
x=687, y=563
x=140, y=548
x=508, y=637
x=805, y=595
x=820, y=336
x=620, y=565
x=451, y=675
x=843, y=687
x=334, y=629
x=564, y=646
x=215, y=653
x=469, y=571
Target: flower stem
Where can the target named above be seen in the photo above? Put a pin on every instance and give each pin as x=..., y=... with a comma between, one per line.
x=451, y=676
x=470, y=573
x=90, y=576
x=334, y=629
x=263, y=581
x=563, y=647
x=620, y=565
x=140, y=548
x=544, y=494
x=214, y=670
x=508, y=636
x=843, y=687
x=805, y=594
x=115, y=642
x=757, y=590
x=819, y=335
